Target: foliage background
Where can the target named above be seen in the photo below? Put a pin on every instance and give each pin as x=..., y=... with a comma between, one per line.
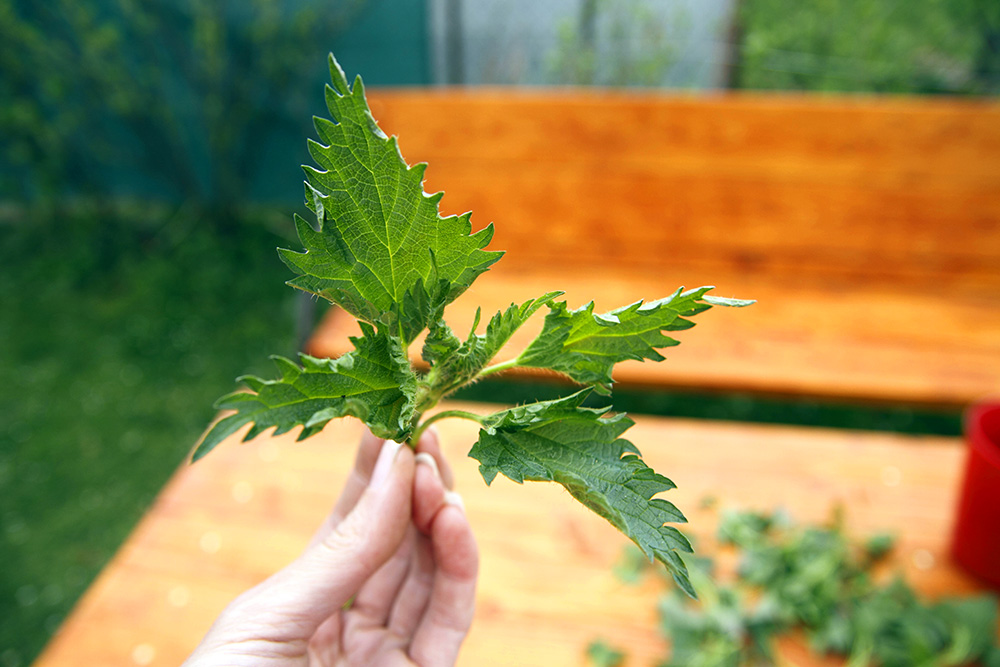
x=884, y=46
x=148, y=156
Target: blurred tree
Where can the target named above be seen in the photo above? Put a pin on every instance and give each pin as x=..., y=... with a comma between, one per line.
x=890, y=46
x=984, y=15
x=613, y=43
x=172, y=96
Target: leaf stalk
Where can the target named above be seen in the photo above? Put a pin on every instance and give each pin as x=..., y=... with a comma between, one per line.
x=498, y=368
x=444, y=414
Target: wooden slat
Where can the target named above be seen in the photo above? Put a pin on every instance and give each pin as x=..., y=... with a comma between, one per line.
x=830, y=339
x=868, y=229
x=865, y=185
x=546, y=590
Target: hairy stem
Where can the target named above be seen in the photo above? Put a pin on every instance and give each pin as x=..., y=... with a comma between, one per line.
x=498, y=368
x=461, y=414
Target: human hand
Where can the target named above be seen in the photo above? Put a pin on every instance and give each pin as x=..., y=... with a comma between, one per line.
x=389, y=579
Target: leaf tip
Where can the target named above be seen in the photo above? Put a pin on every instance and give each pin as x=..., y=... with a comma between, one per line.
x=337, y=76
x=726, y=301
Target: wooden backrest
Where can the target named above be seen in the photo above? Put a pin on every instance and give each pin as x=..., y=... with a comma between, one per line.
x=870, y=188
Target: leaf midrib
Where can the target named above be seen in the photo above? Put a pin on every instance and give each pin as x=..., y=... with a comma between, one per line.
x=570, y=341
x=550, y=464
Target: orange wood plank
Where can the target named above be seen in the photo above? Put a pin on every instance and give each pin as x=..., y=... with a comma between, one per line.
x=871, y=185
x=831, y=339
x=546, y=589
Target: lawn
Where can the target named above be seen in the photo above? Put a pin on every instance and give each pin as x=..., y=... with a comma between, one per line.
x=116, y=335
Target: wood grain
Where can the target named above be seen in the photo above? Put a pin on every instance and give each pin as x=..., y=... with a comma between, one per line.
x=867, y=228
x=226, y=523
x=911, y=185
x=827, y=339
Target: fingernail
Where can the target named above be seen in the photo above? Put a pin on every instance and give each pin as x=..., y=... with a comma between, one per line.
x=384, y=464
x=427, y=459
x=452, y=498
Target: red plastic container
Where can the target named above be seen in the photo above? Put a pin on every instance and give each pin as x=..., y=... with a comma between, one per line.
x=976, y=545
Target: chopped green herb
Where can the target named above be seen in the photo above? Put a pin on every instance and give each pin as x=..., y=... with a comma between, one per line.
x=814, y=580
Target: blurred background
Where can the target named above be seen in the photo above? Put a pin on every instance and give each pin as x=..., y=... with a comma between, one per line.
x=149, y=156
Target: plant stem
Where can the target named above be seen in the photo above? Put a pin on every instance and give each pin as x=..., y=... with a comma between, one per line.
x=461, y=414
x=497, y=368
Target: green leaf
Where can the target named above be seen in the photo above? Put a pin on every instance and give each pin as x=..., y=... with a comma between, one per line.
x=381, y=251
x=457, y=363
x=586, y=346
x=503, y=325
x=441, y=343
x=972, y=623
x=374, y=383
x=602, y=654
x=580, y=448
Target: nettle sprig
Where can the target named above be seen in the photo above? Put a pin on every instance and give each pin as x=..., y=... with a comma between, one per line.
x=381, y=251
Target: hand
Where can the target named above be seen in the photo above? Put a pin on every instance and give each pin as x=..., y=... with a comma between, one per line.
x=389, y=579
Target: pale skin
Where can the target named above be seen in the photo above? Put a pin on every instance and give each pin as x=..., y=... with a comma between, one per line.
x=389, y=578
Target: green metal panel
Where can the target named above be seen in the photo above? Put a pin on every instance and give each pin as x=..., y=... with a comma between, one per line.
x=388, y=44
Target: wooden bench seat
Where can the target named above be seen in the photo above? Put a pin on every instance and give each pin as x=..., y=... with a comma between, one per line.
x=546, y=587
x=867, y=229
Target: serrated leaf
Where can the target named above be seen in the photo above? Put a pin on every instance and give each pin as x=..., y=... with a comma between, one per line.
x=381, y=250
x=581, y=449
x=456, y=363
x=374, y=383
x=503, y=325
x=585, y=346
x=441, y=343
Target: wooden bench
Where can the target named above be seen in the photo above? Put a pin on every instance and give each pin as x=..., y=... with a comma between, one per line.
x=867, y=228
x=546, y=587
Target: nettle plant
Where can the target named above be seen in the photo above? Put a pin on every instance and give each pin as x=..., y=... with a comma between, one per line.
x=381, y=251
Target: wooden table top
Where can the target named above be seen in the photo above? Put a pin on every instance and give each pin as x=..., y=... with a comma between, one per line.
x=546, y=587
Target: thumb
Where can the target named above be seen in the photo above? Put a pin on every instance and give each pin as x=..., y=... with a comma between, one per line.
x=331, y=571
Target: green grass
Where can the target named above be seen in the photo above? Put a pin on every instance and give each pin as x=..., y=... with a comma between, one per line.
x=115, y=339
x=731, y=406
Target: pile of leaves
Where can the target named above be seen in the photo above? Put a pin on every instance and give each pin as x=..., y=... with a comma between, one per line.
x=812, y=580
